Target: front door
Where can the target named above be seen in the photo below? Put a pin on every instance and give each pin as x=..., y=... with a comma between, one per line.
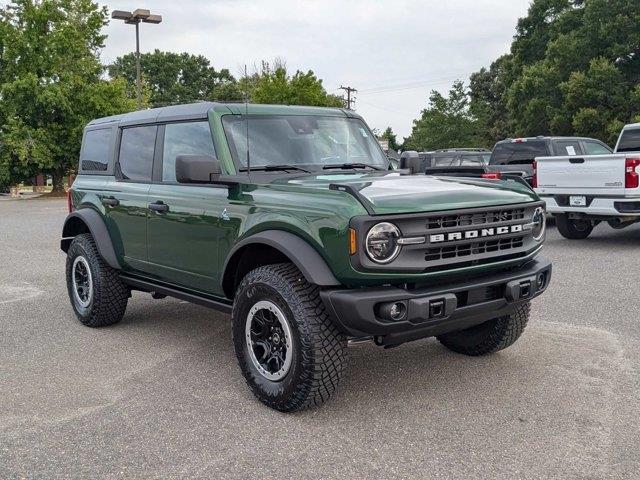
x=183, y=233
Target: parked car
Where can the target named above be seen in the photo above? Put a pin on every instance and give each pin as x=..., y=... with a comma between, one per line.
x=515, y=156
x=289, y=219
x=420, y=162
x=584, y=190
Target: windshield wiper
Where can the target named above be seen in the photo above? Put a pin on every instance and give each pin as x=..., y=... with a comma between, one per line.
x=275, y=168
x=351, y=166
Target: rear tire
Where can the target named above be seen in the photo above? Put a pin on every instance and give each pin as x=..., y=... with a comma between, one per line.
x=573, y=229
x=488, y=337
x=291, y=354
x=98, y=295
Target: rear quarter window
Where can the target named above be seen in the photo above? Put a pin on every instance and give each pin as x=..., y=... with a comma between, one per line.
x=94, y=155
x=629, y=140
x=518, y=152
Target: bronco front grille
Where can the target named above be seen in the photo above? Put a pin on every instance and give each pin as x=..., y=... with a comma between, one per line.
x=471, y=219
x=472, y=248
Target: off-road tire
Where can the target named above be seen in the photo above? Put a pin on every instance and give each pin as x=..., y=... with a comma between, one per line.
x=573, y=229
x=488, y=337
x=318, y=347
x=110, y=294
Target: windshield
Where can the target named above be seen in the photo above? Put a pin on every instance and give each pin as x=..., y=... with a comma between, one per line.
x=312, y=142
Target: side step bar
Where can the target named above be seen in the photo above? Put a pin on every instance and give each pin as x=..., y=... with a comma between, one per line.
x=152, y=287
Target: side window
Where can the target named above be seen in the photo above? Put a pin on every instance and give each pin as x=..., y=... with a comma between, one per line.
x=137, y=145
x=568, y=147
x=595, y=148
x=192, y=138
x=95, y=150
x=445, y=161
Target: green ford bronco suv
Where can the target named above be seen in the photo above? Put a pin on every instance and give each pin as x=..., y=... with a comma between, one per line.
x=290, y=219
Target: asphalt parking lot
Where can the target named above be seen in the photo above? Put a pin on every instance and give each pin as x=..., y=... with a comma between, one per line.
x=160, y=396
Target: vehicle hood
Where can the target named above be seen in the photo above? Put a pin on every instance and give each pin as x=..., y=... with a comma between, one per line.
x=389, y=193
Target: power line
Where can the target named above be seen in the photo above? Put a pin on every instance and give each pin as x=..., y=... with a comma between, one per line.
x=350, y=100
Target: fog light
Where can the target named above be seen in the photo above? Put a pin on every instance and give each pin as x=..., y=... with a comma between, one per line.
x=542, y=278
x=393, y=311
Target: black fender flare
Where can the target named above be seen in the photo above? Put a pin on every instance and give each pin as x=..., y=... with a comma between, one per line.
x=96, y=226
x=304, y=256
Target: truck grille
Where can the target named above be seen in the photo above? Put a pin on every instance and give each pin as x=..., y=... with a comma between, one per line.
x=473, y=248
x=471, y=219
x=457, y=238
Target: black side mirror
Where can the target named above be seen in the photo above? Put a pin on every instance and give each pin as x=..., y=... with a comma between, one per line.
x=410, y=160
x=197, y=169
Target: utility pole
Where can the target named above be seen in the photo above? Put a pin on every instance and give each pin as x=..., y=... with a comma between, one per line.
x=350, y=100
x=135, y=18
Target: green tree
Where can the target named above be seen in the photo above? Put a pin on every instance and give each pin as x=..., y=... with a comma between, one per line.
x=390, y=137
x=446, y=123
x=573, y=69
x=275, y=85
x=51, y=85
x=174, y=78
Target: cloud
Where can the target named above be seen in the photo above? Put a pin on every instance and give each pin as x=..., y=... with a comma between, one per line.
x=393, y=52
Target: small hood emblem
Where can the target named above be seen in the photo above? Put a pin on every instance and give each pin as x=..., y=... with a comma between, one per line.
x=224, y=215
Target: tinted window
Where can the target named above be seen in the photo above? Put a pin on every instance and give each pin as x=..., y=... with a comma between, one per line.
x=519, y=152
x=630, y=141
x=568, y=147
x=595, y=148
x=445, y=160
x=193, y=138
x=95, y=150
x=136, y=153
x=472, y=159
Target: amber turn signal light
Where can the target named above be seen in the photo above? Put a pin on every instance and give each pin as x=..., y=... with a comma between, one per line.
x=353, y=242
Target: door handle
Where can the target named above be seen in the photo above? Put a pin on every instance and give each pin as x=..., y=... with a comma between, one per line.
x=159, y=206
x=576, y=160
x=110, y=201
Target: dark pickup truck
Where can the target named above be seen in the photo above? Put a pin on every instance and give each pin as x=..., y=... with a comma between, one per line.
x=511, y=157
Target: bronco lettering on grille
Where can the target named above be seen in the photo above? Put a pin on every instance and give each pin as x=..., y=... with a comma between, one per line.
x=470, y=234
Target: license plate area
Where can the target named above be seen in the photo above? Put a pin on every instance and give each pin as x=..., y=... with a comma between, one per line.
x=577, y=201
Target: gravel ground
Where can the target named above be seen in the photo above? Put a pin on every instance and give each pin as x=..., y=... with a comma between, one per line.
x=160, y=396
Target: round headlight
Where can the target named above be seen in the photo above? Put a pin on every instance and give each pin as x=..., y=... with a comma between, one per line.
x=539, y=224
x=382, y=242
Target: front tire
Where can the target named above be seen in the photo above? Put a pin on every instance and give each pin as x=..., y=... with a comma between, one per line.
x=290, y=352
x=573, y=229
x=98, y=295
x=489, y=337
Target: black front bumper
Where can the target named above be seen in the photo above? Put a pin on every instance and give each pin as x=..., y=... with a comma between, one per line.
x=436, y=309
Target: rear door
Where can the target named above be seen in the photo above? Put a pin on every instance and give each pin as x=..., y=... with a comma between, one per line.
x=183, y=238
x=125, y=197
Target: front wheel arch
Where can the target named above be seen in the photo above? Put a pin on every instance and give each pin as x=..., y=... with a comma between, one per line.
x=275, y=246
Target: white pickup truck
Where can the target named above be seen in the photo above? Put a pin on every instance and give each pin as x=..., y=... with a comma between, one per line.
x=584, y=190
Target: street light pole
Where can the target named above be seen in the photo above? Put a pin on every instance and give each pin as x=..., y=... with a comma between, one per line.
x=138, y=86
x=136, y=17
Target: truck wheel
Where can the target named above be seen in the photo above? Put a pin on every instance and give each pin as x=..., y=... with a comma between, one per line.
x=488, y=337
x=572, y=228
x=97, y=294
x=290, y=353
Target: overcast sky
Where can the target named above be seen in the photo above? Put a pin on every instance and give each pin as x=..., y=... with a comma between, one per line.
x=393, y=52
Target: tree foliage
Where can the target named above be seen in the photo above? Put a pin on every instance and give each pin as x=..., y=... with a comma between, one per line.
x=51, y=85
x=573, y=69
x=173, y=78
x=391, y=138
x=447, y=122
x=273, y=84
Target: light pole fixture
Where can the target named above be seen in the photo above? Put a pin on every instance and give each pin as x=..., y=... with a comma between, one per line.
x=134, y=18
